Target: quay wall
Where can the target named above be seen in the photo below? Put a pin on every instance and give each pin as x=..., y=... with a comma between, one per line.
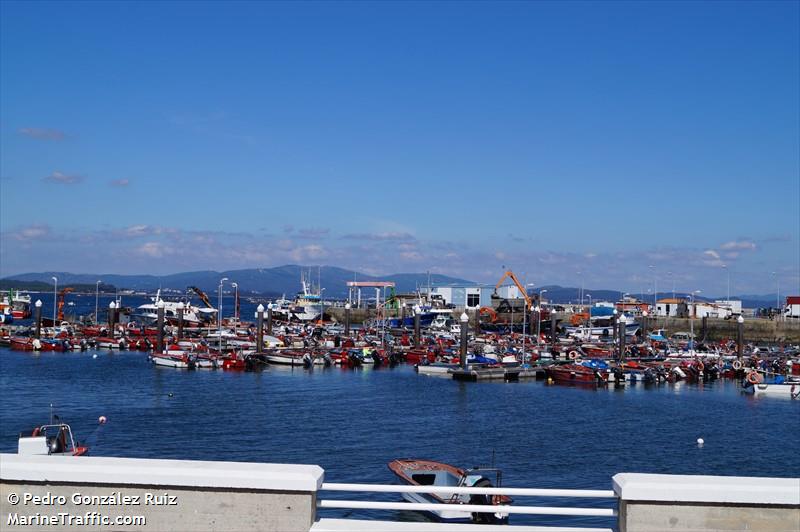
x=683, y=503
x=755, y=329
x=167, y=494
x=237, y=496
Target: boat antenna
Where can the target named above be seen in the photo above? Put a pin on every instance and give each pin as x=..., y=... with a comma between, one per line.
x=493, y=453
x=51, y=413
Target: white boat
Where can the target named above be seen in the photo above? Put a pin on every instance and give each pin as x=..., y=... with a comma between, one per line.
x=435, y=368
x=431, y=473
x=785, y=389
x=287, y=357
x=192, y=316
x=167, y=360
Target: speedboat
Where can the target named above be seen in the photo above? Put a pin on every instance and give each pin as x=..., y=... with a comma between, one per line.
x=431, y=473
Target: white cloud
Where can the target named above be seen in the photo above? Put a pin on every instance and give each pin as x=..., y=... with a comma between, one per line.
x=61, y=178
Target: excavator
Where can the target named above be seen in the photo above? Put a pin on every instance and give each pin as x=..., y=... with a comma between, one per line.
x=504, y=306
x=202, y=295
x=60, y=304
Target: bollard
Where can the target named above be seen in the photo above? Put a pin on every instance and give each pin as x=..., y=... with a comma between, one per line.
x=160, y=324
x=740, y=338
x=347, y=308
x=464, y=333
x=38, y=306
x=180, y=320
x=416, y=327
x=260, y=329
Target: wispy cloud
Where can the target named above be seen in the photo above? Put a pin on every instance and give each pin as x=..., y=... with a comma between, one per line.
x=120, y=183
x=738, y=245
x=388, y=236
x=31, y=232
x=61, y=178
x=39, y=133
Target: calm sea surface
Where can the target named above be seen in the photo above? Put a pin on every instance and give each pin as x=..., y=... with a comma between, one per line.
x=352, y=422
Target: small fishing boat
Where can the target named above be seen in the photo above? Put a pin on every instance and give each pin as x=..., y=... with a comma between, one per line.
x=430, y=473
x=169, y=360
x=779, y=387
x=105, y=342
x=54, y=439
x=575, y=374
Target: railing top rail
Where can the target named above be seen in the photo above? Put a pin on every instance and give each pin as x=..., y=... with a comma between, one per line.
x=519, y=492
x=468, y=508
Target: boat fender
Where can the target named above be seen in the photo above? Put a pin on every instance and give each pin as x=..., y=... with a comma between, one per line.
x=700, y=366
x=35, y=432
x=37, y=344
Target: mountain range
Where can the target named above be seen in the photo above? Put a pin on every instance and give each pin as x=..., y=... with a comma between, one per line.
x=267, y=281
x=286, y=280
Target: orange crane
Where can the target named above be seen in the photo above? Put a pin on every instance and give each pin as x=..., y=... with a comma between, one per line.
x=510, y=274
x=60, y=305
x=202, y=295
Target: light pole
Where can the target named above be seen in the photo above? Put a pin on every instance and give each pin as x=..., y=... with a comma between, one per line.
x=725, y=266
x=235, y=300
x=778, y=294
x=538, y=321
x=96, y=299
x=589, y=316
x=55, y=289
x=539, y=317
x=321, y=305
x=644, y=325
x=219, y=302
x=655, y=286
x=691, y=321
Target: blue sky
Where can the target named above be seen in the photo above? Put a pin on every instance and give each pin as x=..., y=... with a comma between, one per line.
x=552, y=138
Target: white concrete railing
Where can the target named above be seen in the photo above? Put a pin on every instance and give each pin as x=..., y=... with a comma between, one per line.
x=468, y=508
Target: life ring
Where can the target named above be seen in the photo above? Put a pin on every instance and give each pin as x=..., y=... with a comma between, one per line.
x=752, y=377
x=700, y=366
x=573, y=355
x=737, y=365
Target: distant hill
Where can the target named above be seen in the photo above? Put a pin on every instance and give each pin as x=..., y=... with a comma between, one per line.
x=278, y=280
x=40, y=286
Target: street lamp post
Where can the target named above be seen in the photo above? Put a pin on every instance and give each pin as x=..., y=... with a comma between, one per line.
x=740, y=337
x=538, y=321
x=347, y=308
x=96, y=300
x=219, y=313
x=589, y=315
x=236, y=300
x=691, y=321
x=55, y=290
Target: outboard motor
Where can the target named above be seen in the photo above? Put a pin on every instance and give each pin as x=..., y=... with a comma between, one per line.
x=619, y=377
x=328, y=360
x=308, y=362
x=376, y=359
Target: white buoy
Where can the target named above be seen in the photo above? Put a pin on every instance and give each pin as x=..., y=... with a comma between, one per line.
x=700, y=441
x=94, y=355
x=102, y=420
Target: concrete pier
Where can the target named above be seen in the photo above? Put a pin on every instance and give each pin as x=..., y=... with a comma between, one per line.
x=167, y=494
x=683, y=503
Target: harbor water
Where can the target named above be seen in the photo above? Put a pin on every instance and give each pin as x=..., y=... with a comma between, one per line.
x=352, y=422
